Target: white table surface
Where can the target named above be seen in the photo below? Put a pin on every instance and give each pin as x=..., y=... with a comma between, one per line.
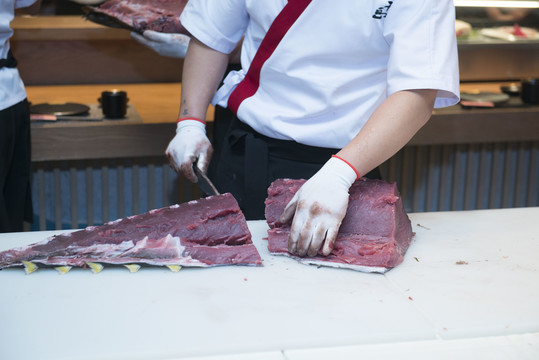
x=468, y=289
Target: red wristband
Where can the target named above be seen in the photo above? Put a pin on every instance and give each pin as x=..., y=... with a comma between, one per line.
x=353, y=168
x=191, y=118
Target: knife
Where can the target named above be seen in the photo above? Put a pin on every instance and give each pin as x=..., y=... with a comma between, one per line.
x=204, y=183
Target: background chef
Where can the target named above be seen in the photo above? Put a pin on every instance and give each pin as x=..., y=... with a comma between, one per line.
x=329, y=99
x=15, y=196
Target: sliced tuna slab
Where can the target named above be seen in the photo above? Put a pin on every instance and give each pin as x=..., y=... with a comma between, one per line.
x=374, y=235
x=139, y=15
x=206, y=232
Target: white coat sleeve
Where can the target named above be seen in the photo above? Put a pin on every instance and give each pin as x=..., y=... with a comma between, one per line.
x=423, y=48
x=218, y=24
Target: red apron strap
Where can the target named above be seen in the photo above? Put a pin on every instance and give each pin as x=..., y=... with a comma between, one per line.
x=280, y=26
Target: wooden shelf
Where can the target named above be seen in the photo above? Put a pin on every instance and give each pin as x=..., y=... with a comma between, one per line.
x=68, y=50
x=154, y=102
x=460, y=126
x=62, y=28
x=158, y=105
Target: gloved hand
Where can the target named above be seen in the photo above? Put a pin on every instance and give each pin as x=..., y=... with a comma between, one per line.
x=171, y=45
x=190, y=145
x=318, y=209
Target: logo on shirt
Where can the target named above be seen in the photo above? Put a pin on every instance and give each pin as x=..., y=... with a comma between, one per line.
x=381, y=12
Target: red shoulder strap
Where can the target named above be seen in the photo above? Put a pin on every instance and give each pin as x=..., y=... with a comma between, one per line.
x=280, y=26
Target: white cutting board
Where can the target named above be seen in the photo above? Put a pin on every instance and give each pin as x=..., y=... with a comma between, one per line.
x=157, y=314
x=511, y=347
x=477, y=272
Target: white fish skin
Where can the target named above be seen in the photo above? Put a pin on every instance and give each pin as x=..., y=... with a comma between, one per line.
x=309, y=261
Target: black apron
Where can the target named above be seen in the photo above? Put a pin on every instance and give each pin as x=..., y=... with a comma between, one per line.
x=15, y=157
x=9, y=62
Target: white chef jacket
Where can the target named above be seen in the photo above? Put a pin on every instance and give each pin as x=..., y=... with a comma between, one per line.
x=335, y=65
x=11, y=86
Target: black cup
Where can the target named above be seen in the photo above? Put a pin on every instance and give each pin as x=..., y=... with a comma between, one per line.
x=530, y=91
x=114, y=104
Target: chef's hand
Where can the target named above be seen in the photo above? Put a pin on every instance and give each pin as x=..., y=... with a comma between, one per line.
x=171, y=45
x=190, y=146
x=318, y=209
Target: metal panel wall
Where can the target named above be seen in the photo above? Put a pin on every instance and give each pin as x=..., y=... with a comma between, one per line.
x=75, y=194
x=466, y=176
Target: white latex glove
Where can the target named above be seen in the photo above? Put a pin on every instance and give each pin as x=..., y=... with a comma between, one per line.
x=189, y=146
x=171, y=45
x=318, y=209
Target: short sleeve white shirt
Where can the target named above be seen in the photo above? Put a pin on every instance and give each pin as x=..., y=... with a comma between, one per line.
x=338, y=62
x=11, y=86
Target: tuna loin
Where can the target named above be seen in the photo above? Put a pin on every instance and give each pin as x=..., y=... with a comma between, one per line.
x=373, y=236
x=139, y=15
x=206, y=232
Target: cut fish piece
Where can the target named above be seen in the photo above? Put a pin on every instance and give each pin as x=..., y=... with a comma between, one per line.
x=139, y=15
x=63, y=269
x=373, y=236
x=201, y=233
x=174, y=268
x=29, y=267
x=95, y=267
x=132, y=267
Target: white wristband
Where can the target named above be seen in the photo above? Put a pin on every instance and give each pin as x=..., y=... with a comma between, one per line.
x=341, y=169
x=190, y=123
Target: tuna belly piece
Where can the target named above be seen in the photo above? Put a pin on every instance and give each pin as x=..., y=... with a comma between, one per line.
x=373, y=237
x=206, y=232
x=157, y=15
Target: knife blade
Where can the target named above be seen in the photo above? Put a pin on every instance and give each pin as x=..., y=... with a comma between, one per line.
x=204, y=183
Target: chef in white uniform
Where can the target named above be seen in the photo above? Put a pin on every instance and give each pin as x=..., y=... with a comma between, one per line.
x=15, y=198
x=329, y=96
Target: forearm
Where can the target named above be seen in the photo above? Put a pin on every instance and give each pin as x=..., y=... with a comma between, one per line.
x=389, y=128
x=203, y=70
